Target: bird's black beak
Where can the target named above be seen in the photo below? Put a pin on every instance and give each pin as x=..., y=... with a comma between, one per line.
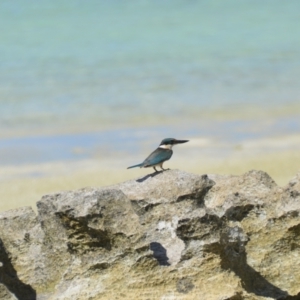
x=180, y=141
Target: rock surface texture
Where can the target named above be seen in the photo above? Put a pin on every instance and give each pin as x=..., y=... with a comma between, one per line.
x=170, y=235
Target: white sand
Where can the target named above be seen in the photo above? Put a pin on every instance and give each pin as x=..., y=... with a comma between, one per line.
x=25, y=185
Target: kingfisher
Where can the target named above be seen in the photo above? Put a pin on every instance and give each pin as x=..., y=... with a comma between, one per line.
x=160, y=155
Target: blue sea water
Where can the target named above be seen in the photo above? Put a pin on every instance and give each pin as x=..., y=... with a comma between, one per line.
x=159, y=66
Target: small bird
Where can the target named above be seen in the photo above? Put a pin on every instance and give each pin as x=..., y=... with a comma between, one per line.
x=160, y=155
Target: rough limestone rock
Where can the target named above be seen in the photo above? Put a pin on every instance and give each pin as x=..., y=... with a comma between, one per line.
x=170, y=235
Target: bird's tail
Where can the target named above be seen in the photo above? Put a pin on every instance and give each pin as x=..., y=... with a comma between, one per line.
x=135, y=166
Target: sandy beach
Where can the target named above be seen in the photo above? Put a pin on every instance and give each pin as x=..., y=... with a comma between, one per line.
x=24, y=185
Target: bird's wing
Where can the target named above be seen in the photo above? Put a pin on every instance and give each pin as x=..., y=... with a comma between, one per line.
x=158, y=156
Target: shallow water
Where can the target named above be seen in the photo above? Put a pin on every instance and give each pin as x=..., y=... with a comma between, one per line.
x=218, y=139
x=148, y=69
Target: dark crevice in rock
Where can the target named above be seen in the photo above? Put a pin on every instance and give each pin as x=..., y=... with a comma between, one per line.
x=160, y=253
x=200, y=194
x=10, y=279
x=100, y=266
x=81, y=237
x=198, y=228
x=238, y=213
x=142, y=249
x=192, y=196
x=290, y=241
x=198, y=197
x=294, y=194
x=141, y=207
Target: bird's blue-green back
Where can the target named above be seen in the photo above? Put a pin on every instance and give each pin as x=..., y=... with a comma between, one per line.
x=158, y=156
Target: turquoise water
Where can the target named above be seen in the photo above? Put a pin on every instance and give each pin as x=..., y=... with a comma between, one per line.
x=131, y=64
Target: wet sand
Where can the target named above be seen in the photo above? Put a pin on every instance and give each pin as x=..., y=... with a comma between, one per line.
x=25, y=185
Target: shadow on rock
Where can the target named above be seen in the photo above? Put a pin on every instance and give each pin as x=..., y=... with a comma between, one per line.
x=296, y=297
x=159, y=253
x=149, y=176
x=9, y=278
x=234, y=258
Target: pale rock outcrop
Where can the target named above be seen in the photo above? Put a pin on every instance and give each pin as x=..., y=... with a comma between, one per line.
x=169, y=235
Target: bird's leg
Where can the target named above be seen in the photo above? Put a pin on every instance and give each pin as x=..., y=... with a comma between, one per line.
x=155, y=169
x=161, y=166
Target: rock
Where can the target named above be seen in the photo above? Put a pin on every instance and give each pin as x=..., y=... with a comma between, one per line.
x=169, y=235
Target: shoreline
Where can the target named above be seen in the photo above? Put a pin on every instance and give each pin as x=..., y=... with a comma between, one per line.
x=25, y=185
x=218, y=136
x=246, y=114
